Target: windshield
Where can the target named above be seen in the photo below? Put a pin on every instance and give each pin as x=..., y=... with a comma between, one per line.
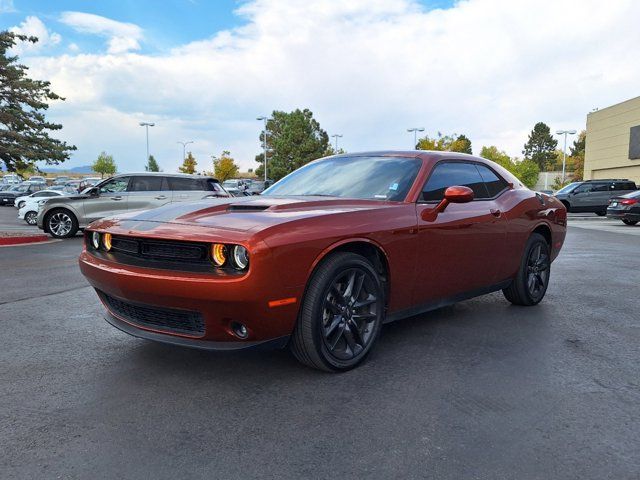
x=20, y=188
x=375, y=178
x=568, y=188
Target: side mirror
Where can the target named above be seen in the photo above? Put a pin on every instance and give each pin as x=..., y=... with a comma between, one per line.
x=456, y=194
x=94, y=192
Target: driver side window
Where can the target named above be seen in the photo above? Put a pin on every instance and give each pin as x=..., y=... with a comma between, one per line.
x=117, y=185
x=584, y=188
x=447, y=174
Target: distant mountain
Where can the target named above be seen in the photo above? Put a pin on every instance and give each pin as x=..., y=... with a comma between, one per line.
x=81, y=169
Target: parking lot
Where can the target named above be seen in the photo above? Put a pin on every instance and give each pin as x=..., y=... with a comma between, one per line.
x=481, y=390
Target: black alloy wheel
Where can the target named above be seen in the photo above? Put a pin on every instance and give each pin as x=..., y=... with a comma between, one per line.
x=629, y=222
x=341, y=314
x=530, y=284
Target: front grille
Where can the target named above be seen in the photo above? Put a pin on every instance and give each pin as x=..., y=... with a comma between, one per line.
x=158, y=318
x=161, y=249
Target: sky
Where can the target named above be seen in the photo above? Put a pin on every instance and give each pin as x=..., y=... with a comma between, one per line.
x=202, y=71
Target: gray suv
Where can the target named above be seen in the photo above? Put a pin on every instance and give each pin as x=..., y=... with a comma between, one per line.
x=62, y=217
x=593, y=195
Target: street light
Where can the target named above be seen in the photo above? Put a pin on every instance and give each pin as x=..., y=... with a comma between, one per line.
x=564, y=150
x=336, y=136
x=415, y=131
x=264, y=144
x=146, y=125
x=184, y=148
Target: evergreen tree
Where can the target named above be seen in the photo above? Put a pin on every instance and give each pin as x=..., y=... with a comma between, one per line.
x=152, y=165
x=189, y=164
x=24, y=131
x=540, y=146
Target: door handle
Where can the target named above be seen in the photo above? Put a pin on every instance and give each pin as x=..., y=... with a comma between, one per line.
x=116, y=198
x=495, y=212
x=161, y=197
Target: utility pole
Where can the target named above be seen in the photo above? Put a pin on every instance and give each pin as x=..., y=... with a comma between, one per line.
x=184, y=148
x=146, y=125
x=415, y=131
x=564, y=150
x=336, y=136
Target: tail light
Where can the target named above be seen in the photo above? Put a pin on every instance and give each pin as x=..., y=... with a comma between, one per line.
x=629, y=201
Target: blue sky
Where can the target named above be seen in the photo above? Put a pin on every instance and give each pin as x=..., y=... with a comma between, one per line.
x=368, y=69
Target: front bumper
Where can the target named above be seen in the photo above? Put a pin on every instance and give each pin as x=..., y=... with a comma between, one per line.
x=221, y=302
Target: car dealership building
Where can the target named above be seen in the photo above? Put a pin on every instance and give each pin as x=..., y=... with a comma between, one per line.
x=613, y=142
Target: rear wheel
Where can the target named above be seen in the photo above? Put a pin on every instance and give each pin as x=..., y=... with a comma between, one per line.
x=629, y=222
x=341, y=314
x=530, y=284
x=61, y=223
x=31, y=218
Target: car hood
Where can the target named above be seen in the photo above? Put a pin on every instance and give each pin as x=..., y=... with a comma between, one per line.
x=232, y=215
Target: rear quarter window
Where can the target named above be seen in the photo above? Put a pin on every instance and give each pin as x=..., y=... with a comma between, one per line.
x=185, y=184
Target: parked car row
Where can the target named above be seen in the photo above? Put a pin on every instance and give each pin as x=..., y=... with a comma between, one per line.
x=63, y=216
x=593, y=195
x=240, y=187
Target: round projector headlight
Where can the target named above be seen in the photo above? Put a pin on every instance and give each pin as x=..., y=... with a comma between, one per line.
x=218, y=254
x=95, y=240
x=106, y=241
x=240, y=257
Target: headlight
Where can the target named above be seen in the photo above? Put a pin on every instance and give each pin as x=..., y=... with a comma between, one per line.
x=106, y=241
x=240, y=257
x=95, y=240
x=41, y=202
x=219, y=254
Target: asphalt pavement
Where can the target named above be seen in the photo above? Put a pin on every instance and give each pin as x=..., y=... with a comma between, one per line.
x=479, y=390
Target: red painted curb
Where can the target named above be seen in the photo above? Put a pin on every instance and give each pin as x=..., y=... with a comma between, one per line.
x=21, y=240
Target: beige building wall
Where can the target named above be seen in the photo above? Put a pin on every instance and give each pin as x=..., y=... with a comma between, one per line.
x=607, y=145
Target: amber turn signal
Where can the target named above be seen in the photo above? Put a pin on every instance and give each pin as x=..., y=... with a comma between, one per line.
x=106, y=241
x=219, y=254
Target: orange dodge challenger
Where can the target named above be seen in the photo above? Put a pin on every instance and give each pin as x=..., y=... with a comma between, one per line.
x=325, y=256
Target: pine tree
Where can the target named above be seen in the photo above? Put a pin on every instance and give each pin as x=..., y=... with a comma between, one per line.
x=24, y=131
x=152, y=165
x=540, y=146
x=189, y=164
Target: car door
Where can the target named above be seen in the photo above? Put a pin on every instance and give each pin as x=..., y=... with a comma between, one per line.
x=148, y=191
x=185, y=189
x=111, y=199
x=579, y=199
x=600, y=194
x=459, y=250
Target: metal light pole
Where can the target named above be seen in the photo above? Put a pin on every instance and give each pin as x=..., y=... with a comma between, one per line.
x=146, y=125
x=415, y=131
x=264, y=145
x=564, y=150
x=336, y=136
x=184, y=148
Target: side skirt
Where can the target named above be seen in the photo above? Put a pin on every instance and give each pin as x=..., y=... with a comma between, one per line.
x=444, y=302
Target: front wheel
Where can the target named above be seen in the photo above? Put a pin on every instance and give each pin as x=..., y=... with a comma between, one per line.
x=601, y=213
x=531, y=282
x=341, y=314
x=31, y=218
x=62, y=223
x=629, y=222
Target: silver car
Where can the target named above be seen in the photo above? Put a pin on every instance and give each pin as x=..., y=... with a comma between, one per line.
x=62, y=217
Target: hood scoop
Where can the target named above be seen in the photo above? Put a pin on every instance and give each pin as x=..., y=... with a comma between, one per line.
x=239, y=207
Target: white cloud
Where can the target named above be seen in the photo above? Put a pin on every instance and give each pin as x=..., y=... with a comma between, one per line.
x=33, y=26
x=6, y=6
x=122, y=37
x=368, y=69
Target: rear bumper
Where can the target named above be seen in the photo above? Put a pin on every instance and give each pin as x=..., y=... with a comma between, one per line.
x=623, y=215
x=219, y=302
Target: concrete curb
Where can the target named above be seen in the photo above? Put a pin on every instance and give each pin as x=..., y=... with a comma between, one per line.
x=20, y=240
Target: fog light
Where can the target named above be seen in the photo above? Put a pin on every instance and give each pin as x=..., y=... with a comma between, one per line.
x=106, y=241
x=95, y=240
x=239, y=330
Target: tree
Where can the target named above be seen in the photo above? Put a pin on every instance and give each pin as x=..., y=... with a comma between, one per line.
x=24, y=132
x=293, y=139
x=577, y=155
x=104, y=164
x=540, y=146
x=189, y=164
x=152, y=165
x=526, y=171
x=224, y=167
x=445, y=143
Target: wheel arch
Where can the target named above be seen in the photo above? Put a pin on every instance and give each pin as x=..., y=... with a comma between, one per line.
x=544, y=230
x=366, y=247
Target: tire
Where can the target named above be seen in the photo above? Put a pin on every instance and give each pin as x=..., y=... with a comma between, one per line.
x=31, y=218
x=601, y=213
x=530, y=284
x=61, y=223
x=333, y=333
x=629, y=222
